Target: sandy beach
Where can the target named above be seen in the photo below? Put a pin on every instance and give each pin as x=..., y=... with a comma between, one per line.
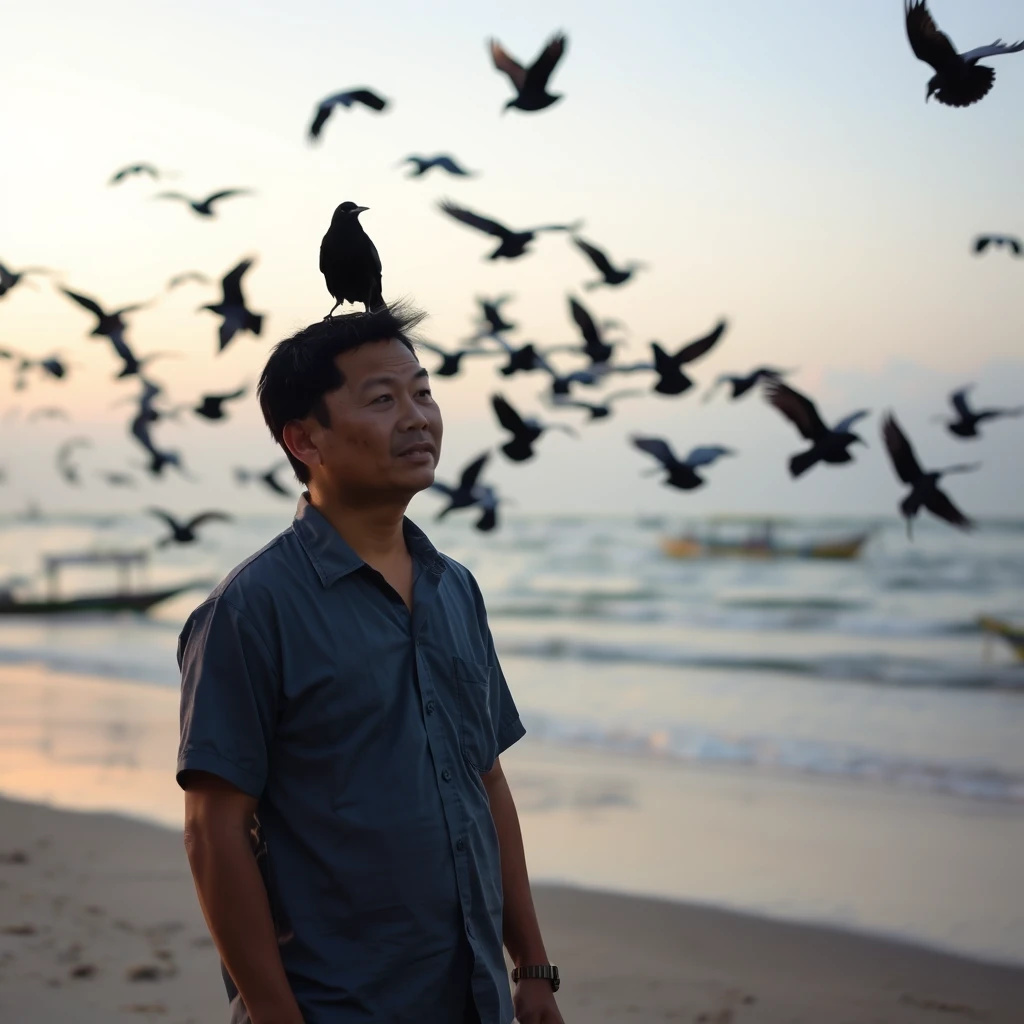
x=99, y=921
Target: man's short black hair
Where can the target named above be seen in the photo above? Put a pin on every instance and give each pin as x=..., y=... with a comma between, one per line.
x=301, y=369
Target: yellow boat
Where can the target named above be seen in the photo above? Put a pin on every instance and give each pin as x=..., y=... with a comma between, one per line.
x=761, y=543
x=1013, y=635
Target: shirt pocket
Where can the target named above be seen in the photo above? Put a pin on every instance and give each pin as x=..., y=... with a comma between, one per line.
x=477, y=698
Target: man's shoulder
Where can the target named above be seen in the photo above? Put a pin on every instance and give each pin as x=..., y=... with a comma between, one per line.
x=460, y=582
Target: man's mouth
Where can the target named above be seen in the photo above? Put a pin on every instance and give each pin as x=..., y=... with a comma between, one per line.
x=417, y=451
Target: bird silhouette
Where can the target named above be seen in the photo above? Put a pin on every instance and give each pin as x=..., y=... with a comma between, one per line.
x=185, y=277
x=185, y=532
x=1011, y=242
x=132, y=171
x=204, y=207
x=521, y=359
x=492, y=322
x=561, y=383
x=266, y=477
x=11, y=278
x=469, y=492
x=366, y=97
x=525, y=432
x=601, y=408
x=610, y=274
x=140, y=428
x=742, y=384
x=211, y=406
x=451, y=362
x=924, y=485
x=682, y=473
x=513, y=243
x=232, y=308
x=422, y=164
x=671, y=379
x=959, y=79
x=68, y=469
x=595, y=348
x=827, y=445
x=531, y=84
x=112, y=327
x=967, y=419
x=349, y=260
x=52, y=366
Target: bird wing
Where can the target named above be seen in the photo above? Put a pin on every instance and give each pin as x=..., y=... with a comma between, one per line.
x=166, y=517
x=658, y=448
x=705, y=455
x=959, y=400
x=982, y=242
x=173, y=195
x=597, y=257
x=992, y=50
x=904, y=461
x=585, y=322
x=688, y=353
x=448, y=164
x=926, y=40
x=507, y=416
x=472, y=471
x=368, y=98
x=511, y=67
x=207, y=517
x=224, y=195
x=442, y=488
x=938, y=503
x=797, y=408
x=323, y=112
x=85, y=302
x=843, y=426
x=474, y=220
x=240, y=393
x=232, y=284
x=269, y=479
x=540, y=71
x=431, y=347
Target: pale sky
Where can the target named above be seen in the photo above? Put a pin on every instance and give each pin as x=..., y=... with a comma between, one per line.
x=773, y=164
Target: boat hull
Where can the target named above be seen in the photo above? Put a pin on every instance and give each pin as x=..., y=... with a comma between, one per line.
x=140, y=601
x=842, y=549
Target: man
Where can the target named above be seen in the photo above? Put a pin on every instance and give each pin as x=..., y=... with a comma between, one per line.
x=341, y=689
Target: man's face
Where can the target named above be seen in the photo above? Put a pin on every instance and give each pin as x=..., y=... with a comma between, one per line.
x=384, y=437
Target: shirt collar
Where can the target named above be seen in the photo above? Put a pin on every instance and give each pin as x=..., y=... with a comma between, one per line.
x=331, y=556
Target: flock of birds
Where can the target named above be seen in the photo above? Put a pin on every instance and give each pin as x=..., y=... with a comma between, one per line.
x=352, y=271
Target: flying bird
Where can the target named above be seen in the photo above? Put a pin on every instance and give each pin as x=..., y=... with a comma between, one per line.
x=349, y=260
x=1011, y=242
x=10, y=278
x=236, y=315
x=53, y=366
x=134, y=170
x=366, y=97
x=522, y=359
x=112, y=327
x=610, y=275
x=742, y=384
x=525, y=432
x=268, y=478
x=442, y=160
x=531, y=84
x=924, y=486
x=185, y=532
x=600, y=409
x=140, y=425
x=185, y=277
x=211, y=407
x=68, y=469
x=827, y=445
x=513, y=243
x=451, y=362
x=490, y=311
x=682, y=473
x=595, y=348
x=204, y=207
x=671, y=379
x=959, y=79
x=968, y=419
x=469, y=492
x=561, y=383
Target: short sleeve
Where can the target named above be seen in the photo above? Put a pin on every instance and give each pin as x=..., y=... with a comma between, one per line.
x=229, y=696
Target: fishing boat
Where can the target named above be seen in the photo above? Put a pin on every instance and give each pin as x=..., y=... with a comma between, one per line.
x=1013, y=635
x=124, y=598
x=759, y=542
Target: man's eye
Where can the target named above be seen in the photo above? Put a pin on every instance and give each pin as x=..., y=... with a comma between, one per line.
x=426, y=391
x=381, y=398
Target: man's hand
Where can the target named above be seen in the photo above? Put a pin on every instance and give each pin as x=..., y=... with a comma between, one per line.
x=534, y=1002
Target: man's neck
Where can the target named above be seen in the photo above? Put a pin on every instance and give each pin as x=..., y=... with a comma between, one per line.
x=373, y=532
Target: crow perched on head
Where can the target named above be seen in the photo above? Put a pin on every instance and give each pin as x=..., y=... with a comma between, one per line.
x=531, y=84
x=349, y=260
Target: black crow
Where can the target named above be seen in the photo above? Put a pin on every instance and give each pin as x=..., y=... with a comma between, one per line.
x=204, y=207
x=682, y=473
x=967, y=419
x=112, y=327
x=524, y=431
x=490, y=310
x=522, y=359
x=68, y=470
x=367, y=97
x=51, y=365
x=133, y=170
x=349, y=260
x=268, y=478
x=185, y=533
x=827, y=445
x=442, y=160
x=140, y=425
x=451, y=361
x=600, y=408
x=924, y=486
x=211, y=407
x=513, y=243
x=610, y=275
x=186, y=276
x=959, y=79
x=1011, y=242
x=9, y=278
x=561, y=383
x=531, y=83
x=595, y=348
x=237, y=317
x=469, y=492
x=671, y=379
x=742, y=384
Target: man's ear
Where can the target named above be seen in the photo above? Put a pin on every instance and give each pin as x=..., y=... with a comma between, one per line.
x=299, y=442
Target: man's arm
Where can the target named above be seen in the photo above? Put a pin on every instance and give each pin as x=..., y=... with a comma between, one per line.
x=534, y=1000
x=233, y=898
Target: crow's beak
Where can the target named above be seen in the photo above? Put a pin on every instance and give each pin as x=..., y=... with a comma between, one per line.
x=360, y=209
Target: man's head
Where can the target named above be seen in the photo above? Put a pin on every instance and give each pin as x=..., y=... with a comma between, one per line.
x=348, y=401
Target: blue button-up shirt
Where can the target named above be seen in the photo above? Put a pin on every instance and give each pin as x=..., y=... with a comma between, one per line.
x=362, y=729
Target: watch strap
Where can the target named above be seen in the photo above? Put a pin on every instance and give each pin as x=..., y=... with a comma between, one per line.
x=547, y=972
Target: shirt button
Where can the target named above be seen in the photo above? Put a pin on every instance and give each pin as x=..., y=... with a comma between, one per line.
x=430, y=707
x=460, y=845
x=446, y=775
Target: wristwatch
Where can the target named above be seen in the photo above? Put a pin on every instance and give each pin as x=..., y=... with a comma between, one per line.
x=549, y=972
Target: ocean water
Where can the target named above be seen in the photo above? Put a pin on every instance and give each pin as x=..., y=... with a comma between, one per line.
x=869, y=670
